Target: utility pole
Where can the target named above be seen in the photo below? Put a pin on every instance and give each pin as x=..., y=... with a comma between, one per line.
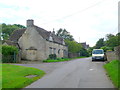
x=79, y=39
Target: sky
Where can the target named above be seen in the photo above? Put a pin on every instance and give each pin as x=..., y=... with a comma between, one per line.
x=86, y=20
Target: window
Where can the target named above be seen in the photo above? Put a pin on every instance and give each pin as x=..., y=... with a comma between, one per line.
x=98, y=52
x=50, y=50
x=59, y=51
x=54, y=50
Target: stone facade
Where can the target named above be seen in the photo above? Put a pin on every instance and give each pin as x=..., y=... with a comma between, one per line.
x=37, y=44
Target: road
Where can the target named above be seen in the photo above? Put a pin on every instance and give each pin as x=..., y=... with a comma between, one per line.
x=80, y=73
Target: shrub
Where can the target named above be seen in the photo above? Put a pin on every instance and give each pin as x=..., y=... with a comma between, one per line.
x=9, y=54
x=105, y=48
x=52, y=56
x=9, y=50
x=83, y=52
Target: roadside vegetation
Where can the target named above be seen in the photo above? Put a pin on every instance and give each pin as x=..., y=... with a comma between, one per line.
x=62, y=59
x=113, y=70
x=14, y=76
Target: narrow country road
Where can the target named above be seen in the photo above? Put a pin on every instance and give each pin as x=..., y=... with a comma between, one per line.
x=80, y=73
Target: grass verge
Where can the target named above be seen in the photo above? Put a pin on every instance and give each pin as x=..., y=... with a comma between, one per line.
x=13, y=76
x=61, y=60
x=113, y=72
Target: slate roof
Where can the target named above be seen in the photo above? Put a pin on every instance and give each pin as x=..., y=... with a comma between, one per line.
x=44, y=33
x=16, y=35
x=10, y=43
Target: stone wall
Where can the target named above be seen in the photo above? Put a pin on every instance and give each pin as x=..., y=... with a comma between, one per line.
x=73, y=55
x=113, y=55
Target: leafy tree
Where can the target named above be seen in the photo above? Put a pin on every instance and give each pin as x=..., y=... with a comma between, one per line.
x=65, y=34
x=112, y=40
x=100, y=43
x=8, y=29
x=108, y=36
x=73, y=46
x=105, y=48
x=84, y=52
x=90, y=50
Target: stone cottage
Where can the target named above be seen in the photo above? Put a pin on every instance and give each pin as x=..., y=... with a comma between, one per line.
x=37, y=43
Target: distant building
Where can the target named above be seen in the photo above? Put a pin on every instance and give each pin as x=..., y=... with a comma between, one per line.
x=86, y=46
x=37, y=43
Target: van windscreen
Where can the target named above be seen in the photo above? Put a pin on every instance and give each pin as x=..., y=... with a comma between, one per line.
x=97, y=52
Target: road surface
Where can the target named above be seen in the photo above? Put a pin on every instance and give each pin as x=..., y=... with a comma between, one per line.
x=80, y=73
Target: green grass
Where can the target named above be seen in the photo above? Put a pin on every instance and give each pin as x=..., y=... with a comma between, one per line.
x=113, y=70
x=64, y=59
x=0, y=76
x=13, y=76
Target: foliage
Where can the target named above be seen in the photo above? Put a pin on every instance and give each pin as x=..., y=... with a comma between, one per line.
x=84, y=52
x=64, y=34
x=99, y=43
x=113, y=71
x=73, y=46
x=9, y=50
x=105, y=48
x=112, y=41
x=52, y=56
x=13, y=76
x=62, y=59
x=8, y=29
x=109, y=43
x=90, y=50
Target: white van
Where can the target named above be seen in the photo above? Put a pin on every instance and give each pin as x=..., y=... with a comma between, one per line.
x=98, y=54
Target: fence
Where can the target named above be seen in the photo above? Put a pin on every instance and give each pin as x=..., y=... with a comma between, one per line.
x=113, y=55
x=11, y=58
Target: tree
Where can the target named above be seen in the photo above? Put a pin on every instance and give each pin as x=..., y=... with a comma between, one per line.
x=64, y=34
x=8, y=29
x=100, y=43
x=73, y=46
x=112, y=40
x=84, y=52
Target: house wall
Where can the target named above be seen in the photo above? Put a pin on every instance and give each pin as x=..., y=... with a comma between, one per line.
x=57, y=47
x=31, y=38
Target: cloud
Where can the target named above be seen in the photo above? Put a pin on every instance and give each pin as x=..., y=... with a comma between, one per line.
x=87, y=19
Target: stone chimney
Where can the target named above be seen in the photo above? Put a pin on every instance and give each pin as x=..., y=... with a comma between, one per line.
x=30, y=22
x=53, y=31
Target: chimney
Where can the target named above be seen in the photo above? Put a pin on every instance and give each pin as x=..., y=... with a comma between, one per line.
x=30, y=22
x=53, y=31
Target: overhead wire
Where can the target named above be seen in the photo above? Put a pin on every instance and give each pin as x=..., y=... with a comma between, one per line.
x=70, y=15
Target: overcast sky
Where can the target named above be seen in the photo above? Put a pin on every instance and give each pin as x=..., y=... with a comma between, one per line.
x=86, y=20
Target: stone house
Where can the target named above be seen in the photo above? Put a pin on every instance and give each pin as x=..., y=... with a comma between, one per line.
x=37, y=43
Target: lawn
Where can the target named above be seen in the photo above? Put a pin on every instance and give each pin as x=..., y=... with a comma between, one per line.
x=61, y=60
x=113, y=71
x=13, y=76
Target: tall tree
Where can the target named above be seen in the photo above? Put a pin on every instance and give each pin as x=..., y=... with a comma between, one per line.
x=8, y=29
x=65, y=34
x=113, y=41
x=100, y=43
x=73, y=46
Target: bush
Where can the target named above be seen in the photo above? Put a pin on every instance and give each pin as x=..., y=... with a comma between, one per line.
x=52, y=56
x=105, y=48
x=9, y=54
x=9, y=50
x=83, y=52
